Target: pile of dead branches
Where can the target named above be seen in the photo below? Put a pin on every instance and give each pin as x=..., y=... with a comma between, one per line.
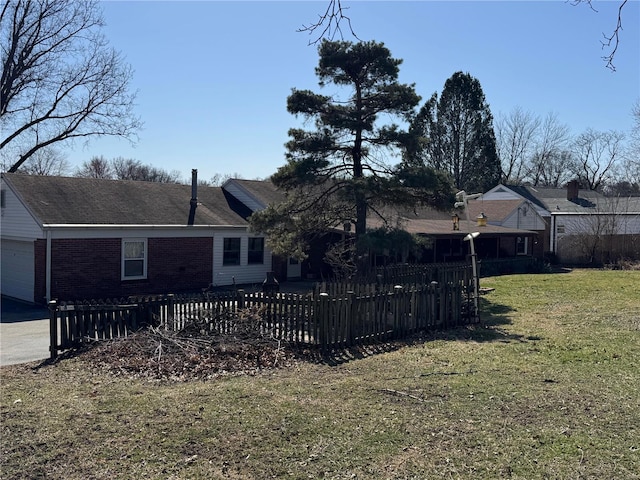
x=196, y=351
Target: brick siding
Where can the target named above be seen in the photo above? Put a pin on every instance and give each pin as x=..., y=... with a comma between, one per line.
x=40, y=265
x=91, y=268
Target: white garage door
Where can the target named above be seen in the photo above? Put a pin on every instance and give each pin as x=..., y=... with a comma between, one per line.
x=17, y=269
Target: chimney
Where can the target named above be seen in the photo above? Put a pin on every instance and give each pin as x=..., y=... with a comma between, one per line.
x=194, y=187
x=193, y=203
x=572, y=190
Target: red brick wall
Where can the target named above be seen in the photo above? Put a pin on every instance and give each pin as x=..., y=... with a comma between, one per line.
x=91, y=268
x=180, y=264
x=40, y=279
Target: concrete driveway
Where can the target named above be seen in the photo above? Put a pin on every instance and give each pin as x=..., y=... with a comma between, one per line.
x=24, y=332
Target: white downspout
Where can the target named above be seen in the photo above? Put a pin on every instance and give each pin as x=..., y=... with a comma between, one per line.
x=48, y=268
x=554, y=234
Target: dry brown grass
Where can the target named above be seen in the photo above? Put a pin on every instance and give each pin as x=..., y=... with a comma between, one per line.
x=549, y=389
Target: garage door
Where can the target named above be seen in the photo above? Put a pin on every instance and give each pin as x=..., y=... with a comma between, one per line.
x=17, y=269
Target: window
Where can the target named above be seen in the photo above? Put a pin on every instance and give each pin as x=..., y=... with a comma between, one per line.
x=231, y=252
x=255, y=254
x=134, y=258
x=521, y=245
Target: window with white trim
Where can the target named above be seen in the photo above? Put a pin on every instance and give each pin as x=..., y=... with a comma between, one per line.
x=134, y=258
x=521, y=245
x=231, y=251
x=255, y=252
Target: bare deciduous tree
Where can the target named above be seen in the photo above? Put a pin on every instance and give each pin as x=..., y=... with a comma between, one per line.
x=130, y=169
x=610, y=41
x=60, y=79
x=596, y=155
x=96, y=167
x=631, y=164
x=328, y=25
x=218, y=179
x=549, y=154
x=515, y=139
x=126, y=169
x=46, y=161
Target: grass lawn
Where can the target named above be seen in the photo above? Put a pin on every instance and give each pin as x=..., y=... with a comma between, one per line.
x=548, y=388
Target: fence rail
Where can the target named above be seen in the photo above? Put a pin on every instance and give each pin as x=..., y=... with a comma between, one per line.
x=332, y=316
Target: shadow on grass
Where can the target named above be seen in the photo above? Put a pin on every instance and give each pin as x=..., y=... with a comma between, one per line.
x=494, y=317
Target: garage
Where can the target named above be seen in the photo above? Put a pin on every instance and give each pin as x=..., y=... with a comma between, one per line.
x=18, y=269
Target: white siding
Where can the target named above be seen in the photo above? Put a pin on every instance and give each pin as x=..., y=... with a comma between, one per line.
x=243, y=196
x=501, y=193
x=243, y=273
x=18, y=269
x=604, y=224
x=16, y=221
x=531, y=221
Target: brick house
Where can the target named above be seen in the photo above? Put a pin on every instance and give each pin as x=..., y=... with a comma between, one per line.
x=78, y=238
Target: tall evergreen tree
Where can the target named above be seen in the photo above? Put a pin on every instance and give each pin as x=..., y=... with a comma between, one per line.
x=457, y=135
x=347, y=167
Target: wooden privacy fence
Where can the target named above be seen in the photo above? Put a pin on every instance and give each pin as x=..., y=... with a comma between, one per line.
x=333, y=316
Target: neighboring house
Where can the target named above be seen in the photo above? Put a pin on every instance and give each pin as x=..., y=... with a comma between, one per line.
x=448, y=245
x=81, y=238
x=517, y=214
x=580, y=226
x=495, y=241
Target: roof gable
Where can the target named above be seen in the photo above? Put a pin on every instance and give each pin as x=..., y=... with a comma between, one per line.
x=496, y=210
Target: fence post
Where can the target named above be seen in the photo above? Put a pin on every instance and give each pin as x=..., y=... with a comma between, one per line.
x=170, y=312
x=433, y=304
x=53, y=329
x=323, y=319
x=240, y=299
x=398, y=307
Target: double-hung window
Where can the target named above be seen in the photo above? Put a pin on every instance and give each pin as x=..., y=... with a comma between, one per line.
x=255, y=253
x=521, y=245
x=134, y=258
x=231, y=251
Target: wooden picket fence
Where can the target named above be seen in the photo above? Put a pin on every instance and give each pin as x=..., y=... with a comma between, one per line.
x=332, y=316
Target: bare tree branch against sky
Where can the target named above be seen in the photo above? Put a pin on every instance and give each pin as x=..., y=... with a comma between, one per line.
x=213, y=77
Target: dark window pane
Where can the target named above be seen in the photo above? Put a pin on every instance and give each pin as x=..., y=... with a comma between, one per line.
x=133, y=268
x=231, y=253
x=255, y=254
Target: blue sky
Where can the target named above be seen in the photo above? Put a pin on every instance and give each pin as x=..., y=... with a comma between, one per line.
x=213, y=77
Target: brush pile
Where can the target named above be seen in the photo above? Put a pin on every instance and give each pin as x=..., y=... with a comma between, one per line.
x=195, y=351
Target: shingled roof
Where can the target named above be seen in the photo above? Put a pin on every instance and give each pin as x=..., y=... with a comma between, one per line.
x=89, y=201
x=588, y=201
x=495, y=210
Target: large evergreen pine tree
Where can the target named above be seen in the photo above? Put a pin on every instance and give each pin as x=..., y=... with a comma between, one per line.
x=347, y=167
x=458, y=136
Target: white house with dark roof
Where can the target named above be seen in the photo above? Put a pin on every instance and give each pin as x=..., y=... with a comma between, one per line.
x=580, y=225
x=79, y=238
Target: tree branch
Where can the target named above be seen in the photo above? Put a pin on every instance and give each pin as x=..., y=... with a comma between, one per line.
x=329, y=23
